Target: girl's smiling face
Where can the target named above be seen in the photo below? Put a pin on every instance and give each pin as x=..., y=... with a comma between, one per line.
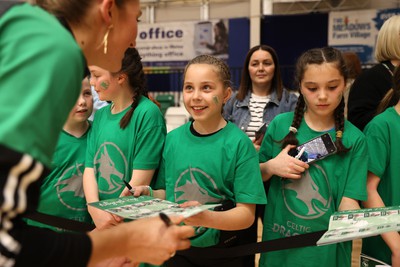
x=204, y=93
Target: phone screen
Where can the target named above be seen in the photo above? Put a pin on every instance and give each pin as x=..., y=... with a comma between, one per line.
x=316, y=149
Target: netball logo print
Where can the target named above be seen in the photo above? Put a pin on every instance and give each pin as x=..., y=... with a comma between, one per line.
x=111, y=165
x=187, y=187
x=70, y=183
x=307, y=198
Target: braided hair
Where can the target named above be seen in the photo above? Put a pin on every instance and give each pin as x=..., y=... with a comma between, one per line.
x=318, y=56
x=132, y=67
x=221, y=67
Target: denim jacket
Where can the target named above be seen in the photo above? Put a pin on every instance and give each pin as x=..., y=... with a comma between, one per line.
x=238, y=111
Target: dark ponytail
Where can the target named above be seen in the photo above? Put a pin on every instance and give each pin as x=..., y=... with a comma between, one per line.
x=132, y=67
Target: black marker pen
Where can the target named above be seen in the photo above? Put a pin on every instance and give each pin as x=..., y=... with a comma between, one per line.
x=129, y=187
x=165, y=219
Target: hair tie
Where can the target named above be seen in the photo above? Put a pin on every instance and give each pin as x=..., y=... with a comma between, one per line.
x=339, y=134
x=292, y=129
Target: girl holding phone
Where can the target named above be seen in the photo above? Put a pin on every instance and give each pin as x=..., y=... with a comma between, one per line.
x=302, y=197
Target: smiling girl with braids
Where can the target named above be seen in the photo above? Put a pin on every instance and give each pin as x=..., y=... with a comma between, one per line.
x=128, y=136
x=302, y=197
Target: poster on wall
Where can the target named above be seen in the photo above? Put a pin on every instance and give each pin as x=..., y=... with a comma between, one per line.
x=171, y=45
x=356, y=31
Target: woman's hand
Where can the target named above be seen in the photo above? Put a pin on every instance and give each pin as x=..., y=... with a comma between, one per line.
x=157, y=242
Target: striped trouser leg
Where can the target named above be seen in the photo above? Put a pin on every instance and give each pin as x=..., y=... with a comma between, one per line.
x=17, y=172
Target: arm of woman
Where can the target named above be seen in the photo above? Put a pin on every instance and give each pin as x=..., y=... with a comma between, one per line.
x=240, y=217
x=392, y=239
x=101, y=219
x=146, y=240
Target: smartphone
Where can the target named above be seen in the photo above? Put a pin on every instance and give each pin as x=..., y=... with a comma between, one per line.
x=316, y=149
x=261, y=131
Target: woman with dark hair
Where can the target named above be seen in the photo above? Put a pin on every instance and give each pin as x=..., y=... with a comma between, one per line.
x=261, y=95
x=44, y=50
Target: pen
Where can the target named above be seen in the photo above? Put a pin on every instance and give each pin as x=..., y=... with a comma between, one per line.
x=129, y=187
x=300, y=153
x=165, y=219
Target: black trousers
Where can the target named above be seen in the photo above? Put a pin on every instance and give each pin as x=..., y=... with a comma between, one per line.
x=22, y=245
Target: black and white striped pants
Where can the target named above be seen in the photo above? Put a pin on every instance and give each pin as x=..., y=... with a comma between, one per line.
x=22, y=245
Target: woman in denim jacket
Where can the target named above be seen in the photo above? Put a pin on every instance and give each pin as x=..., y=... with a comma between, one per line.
x=260, y=98
x=261, y=95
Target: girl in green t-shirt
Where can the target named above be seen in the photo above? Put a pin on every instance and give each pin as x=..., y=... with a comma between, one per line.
x=210, y=161
x=61, y=192
x=127, y=137
x=382, y=135
x=303, y=196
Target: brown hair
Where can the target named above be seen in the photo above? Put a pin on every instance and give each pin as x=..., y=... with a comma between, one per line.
x=318, y=56
x=353, y=64
x=71, y=10
x=246, y=83
x=221, y=67
x=132, y=67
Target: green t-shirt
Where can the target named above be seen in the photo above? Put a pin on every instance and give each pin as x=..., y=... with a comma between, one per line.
x=40, y=79
x=210, y=169
x=305, y=205
x=382, y=135
x=114, y=152
x=61, y=192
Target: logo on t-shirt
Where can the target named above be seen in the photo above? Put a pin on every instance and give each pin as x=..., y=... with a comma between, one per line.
x=70, y=184
x=195, y=184
x=308, y=198
x=110, y=166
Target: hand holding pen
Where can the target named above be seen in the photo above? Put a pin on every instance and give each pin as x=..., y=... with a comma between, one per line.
x=167, y=221
x=130, y=189
x=139, y=190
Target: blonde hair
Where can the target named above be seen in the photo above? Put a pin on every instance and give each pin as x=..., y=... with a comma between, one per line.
x=388, y=41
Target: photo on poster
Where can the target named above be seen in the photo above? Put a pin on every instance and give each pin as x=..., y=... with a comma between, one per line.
x=211, y=38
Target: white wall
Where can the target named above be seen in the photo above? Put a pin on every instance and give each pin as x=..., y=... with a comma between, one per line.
x=191, y=12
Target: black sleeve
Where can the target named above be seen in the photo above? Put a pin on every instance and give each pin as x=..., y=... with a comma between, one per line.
x=365, y=95
x=43, y=247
